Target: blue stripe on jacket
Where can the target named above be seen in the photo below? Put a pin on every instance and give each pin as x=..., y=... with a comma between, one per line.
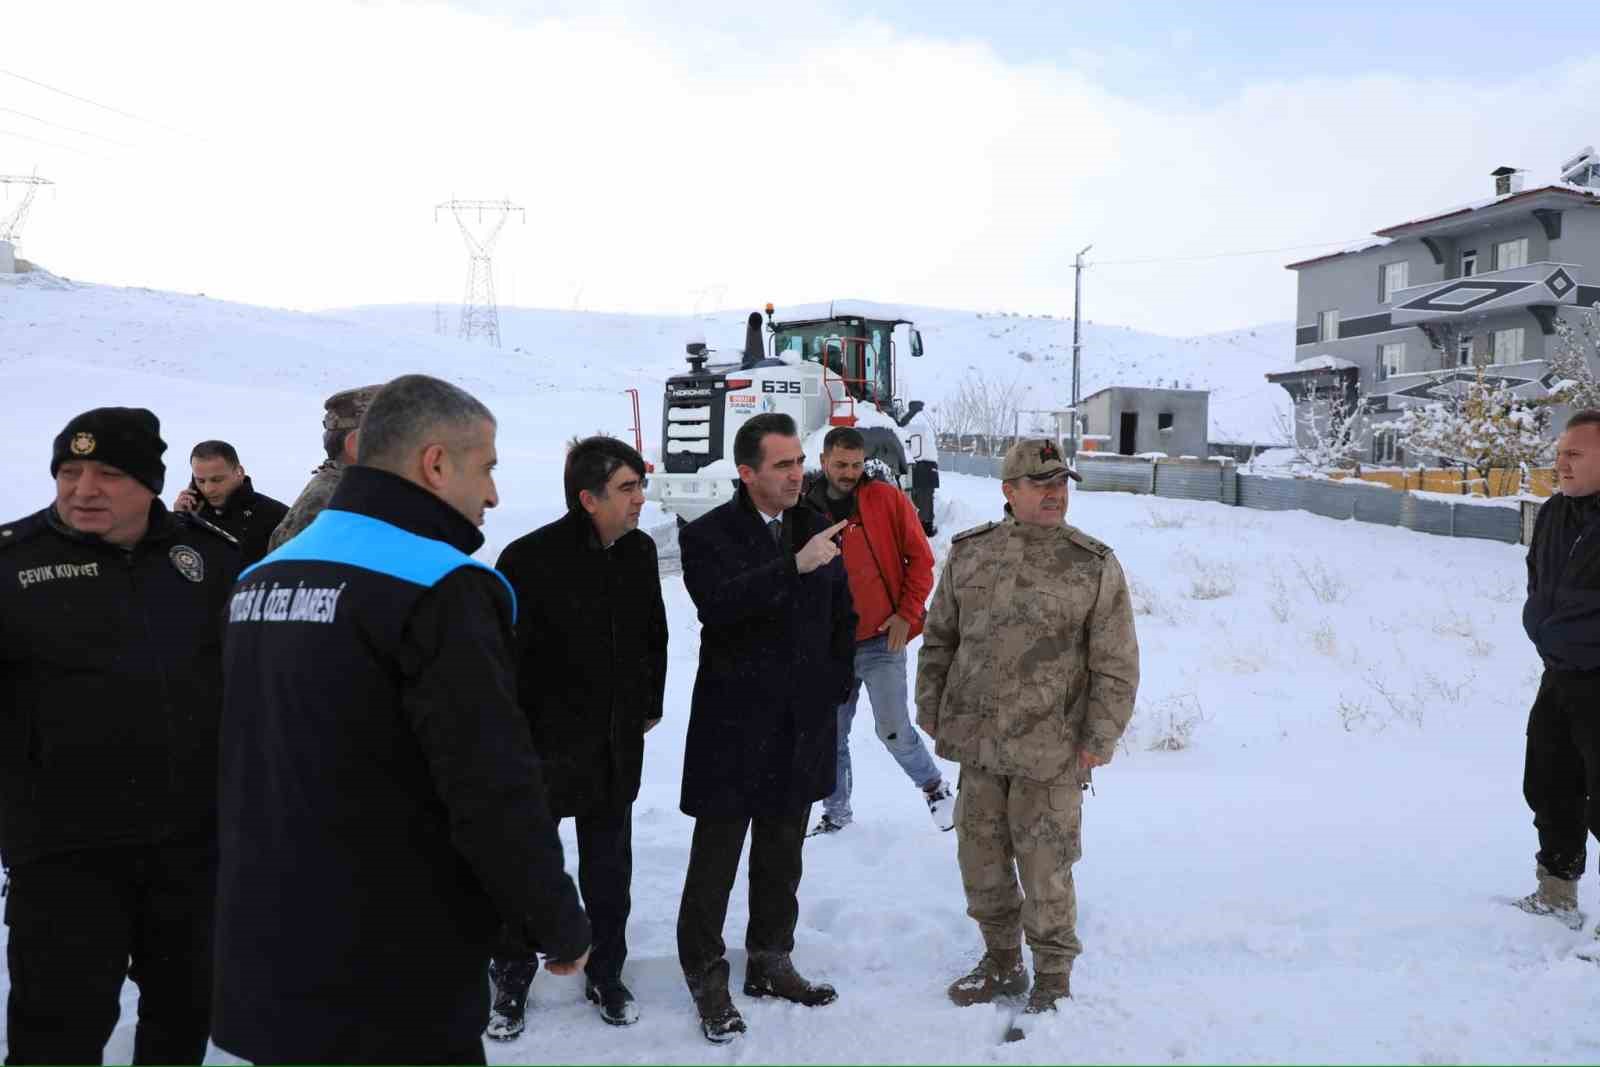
x=362, y=541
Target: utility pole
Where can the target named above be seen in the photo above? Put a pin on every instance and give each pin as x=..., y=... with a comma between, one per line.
x=480, y=317
x=1077, y=346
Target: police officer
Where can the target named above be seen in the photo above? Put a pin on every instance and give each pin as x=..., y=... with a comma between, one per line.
x=110, y=690
x=1026, y=678
x=341, y=421
x=382, y=810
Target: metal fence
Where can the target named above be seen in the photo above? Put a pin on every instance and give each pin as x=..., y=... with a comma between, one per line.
x=1220, y=480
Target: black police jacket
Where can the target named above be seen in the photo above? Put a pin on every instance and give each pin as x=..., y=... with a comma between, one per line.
x=381, y=809
x=591, y=658
x=110, y=684
x=249, y=516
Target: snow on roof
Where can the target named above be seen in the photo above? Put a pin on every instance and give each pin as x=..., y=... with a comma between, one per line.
x=1492, y=201
x=1322, y=363
x=1384, y=236
x=1366, y=245
x=865, y=309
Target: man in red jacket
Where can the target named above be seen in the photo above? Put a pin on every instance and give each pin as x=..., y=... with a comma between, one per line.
x=890, y=567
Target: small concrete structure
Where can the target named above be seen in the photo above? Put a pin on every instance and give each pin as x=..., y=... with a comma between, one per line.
x=1130, y=420
x=8, y=258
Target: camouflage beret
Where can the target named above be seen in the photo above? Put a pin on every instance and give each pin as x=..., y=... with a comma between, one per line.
x=344, y=410
x=1037, y=459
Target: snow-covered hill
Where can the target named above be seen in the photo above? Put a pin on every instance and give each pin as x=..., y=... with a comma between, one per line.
x=1293, y=858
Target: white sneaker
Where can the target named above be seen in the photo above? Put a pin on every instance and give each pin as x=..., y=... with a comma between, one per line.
x=941, y=805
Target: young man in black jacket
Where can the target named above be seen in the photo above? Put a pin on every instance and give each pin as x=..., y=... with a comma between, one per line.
x=221, y=493
x=382, y=812
x=591, y=670
x=1561, y=779
x=777, y=655
x=110, y=692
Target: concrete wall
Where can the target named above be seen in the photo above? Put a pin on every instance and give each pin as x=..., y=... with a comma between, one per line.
x=1190, y=410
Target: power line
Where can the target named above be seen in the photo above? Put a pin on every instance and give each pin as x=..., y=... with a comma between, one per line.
x=59, y=126
x=1222, y=255
x=52, y=144
x=94, y=103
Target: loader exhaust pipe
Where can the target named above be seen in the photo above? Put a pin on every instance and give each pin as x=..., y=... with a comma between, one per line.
x=754, y=350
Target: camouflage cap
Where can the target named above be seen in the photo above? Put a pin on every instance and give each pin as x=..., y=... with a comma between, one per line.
x=344, y=410
x=1037, y=459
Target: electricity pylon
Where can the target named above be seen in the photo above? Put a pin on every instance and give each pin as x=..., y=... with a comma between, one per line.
x=481, y=222
x=11, y=225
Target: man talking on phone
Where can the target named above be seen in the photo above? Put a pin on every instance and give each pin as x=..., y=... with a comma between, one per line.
x=890, y=566
x=220, y=492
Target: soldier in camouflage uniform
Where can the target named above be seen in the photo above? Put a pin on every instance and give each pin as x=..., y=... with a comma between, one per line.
x=340, y=423
x=1026, y=678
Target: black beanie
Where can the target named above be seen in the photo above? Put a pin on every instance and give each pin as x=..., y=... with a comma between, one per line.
x=126, y=438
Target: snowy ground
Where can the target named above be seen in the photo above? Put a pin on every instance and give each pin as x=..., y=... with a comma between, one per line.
x=1311, y=876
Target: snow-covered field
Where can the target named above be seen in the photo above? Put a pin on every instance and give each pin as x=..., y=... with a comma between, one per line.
x=1296, y=856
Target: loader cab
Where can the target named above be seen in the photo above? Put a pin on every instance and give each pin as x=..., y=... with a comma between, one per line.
x=858, y=353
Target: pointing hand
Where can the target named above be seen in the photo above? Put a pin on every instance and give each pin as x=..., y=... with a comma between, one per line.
x=820, y=550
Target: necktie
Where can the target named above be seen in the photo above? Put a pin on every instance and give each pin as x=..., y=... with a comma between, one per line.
x=776, y=526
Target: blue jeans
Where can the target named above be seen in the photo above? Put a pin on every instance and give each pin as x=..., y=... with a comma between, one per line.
x=884, y=674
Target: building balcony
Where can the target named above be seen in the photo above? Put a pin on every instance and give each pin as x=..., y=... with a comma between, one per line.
x=1537, y=285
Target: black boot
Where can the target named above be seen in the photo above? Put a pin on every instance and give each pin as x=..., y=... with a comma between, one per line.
x=720, y=1021
x=773, y=975
x=616, y=1002
x=511, y=980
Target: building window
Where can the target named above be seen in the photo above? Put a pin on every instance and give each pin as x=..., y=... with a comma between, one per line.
x=1508, y=255
x=1508, y=346
x=1386, y=447
x=1328, y=325
x=1391, y=281
x=1469, y=262
x=1164, y=421
x=1464, y=351
x=1392, y=359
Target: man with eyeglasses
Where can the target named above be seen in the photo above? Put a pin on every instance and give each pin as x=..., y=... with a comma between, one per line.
x=591, y=647
x=1027, y=676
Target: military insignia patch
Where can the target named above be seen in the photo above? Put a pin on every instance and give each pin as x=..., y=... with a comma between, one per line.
x=190, y=564
x=82, y=444
x=1048, y=453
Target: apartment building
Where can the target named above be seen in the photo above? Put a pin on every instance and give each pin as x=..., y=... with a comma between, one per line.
x=1428, y=302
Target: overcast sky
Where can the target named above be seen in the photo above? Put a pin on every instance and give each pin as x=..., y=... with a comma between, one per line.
x=291, y=153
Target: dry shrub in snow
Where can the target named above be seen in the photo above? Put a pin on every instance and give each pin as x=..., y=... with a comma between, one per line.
x=1278, y=602
x=1324, y=640
x=1170, y=724
x=1355, y=713
x=1326, y=585
x=1454, y=623
x=1210, y=579
x=1166, y=519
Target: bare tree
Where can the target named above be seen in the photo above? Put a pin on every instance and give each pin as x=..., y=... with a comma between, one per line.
x=1329, y=429
x=979, y=407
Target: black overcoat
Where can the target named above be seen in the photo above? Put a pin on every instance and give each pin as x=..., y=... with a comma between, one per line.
x=591, y=658
x=777, y=658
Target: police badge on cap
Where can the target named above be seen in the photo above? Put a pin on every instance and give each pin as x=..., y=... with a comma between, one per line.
x=188, y=562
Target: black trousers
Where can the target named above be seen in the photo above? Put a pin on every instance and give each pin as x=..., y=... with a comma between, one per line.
x=605, y=881
x=1561, y=778
x=775, y=867
x=80, y=923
